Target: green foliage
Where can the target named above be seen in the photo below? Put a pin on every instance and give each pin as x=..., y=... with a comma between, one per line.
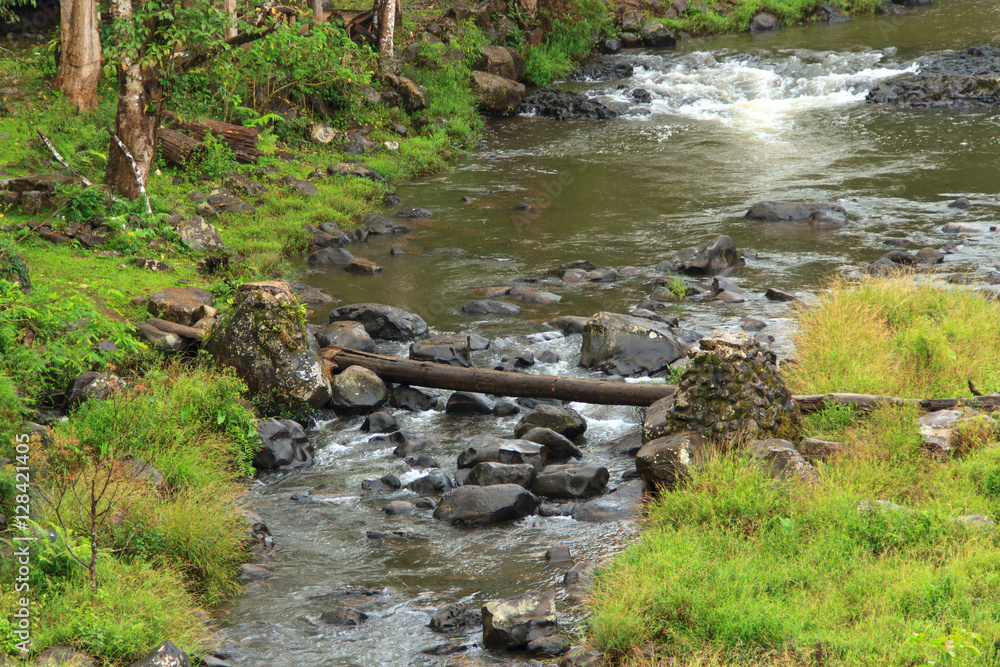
x=190, y=425
x=12, y=266
x=197, y=533
x=135, y=609
x=49, y=336
x=948, y=649
x=213, y=160
x=80, y=204
x=569, y=40
x=284, y=66
x=831, y=420
x=11, y=409
x=724, y=16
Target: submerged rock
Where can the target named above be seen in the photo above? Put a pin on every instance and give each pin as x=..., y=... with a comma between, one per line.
x=784, y=211
x=565, y=105
x=962, y=79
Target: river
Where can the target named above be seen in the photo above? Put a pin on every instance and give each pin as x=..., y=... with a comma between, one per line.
x=732, y=120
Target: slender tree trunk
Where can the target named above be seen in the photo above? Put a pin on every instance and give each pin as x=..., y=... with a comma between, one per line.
x=80, y=52
x=386, y=28
x=140, y=103
x=317, y=10
x=229, y=6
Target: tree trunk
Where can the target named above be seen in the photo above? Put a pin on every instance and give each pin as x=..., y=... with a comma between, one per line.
x=386, y=28
x=498, y=383
x=229, y=6
x=317, y=10
x=174, y=147
x=140, y=101
x=80, y=52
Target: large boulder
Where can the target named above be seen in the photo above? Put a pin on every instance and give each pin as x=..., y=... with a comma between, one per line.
x=199, y=235
x=93, y=385
x=183, y=305
x=514, y=623
x=265, y=341
x=558, y=446
x=498, y=94
x=626, y=345
x=491, y=474
x=666, y=462
x=711, y=257
x=485, y=505
x=348, y=334
x=284, y=446
x=490, y=449
x=571, y=480
x=786, y=211
x=381, y=321
x=357, y=389
x=412, y=95
x=654, y=33
x=501, y=61
x=566, y=422
x=732, y=390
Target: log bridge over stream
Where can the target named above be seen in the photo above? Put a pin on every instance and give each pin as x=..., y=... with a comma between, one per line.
x=602, y=392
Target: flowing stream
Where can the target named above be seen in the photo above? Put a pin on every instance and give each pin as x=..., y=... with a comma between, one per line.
x=731, y=121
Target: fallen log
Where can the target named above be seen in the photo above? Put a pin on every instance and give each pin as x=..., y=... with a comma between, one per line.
x=176, y=148
x=497, y=383
x=503, y=383
x=177, y=329
x=867, y=402
x=242, y=140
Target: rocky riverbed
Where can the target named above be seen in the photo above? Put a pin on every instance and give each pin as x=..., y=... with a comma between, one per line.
x=743, y=175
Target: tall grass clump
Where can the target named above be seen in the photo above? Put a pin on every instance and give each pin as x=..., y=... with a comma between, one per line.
x=897, y=337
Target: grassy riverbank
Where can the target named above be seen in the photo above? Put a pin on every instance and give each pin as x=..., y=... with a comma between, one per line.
x=737, y=569
x=714, y=17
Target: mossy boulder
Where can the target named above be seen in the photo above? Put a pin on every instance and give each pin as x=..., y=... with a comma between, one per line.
x=357, y=389
x=265, y=341
x=732, y=392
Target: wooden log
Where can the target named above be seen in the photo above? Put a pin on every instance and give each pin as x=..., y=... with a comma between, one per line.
x=181, y=330
x=242, y=140
x=498, y=383
x=176, y=148
x=502, y=383
x=866, y=402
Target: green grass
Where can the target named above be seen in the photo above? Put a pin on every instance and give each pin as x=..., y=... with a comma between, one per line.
x=897, y=338
x=138, y=607
x=737, y=569
x=174, y=549
x=729, y=16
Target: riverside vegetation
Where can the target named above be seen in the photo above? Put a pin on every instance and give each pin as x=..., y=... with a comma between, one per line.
x=141, y=555
x=738, y=569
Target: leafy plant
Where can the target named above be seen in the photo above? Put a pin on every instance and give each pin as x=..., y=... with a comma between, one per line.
x=947, y=650
x=80, y=204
